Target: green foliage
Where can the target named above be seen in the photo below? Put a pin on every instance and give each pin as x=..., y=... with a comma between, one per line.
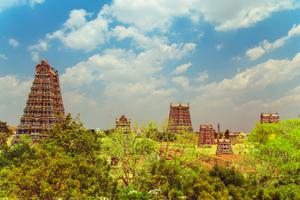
x=74, y=163
x=277, y=149
x=71, y=137
x=17, y=154
x=4, y=139
x=130, y=193
x=152, y=131
x=176, y=180
x=132, y=150
x=228, y=176
x=290, y=192
x=62, y=166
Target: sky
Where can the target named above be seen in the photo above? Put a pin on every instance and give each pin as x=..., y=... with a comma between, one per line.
x=230, y=60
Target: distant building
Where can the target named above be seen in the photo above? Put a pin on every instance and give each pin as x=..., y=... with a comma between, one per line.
x=268, y=118
x=3, y=127
x=179, y=118
x=44, y=106
x=123, y=124
x=224, y=147
x=206, y=135
x=236, y=137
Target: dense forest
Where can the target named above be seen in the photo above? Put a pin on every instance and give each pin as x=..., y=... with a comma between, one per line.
x=75, y=163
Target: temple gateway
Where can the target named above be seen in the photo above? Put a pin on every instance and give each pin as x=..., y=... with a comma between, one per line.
x=44, y=106
x=179, y=118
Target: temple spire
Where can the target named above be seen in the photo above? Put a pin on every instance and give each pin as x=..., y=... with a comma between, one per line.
x=179, y=118
x=44, y=106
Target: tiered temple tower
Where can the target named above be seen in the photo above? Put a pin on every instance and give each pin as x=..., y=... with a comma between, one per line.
x=179, y=118
x=206, y=135
x=224, y=145
x=269, y=118
x=123, y=124
x=44, y=106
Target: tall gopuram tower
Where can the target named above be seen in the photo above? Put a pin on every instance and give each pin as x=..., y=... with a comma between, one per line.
x=206, y=135
x=179, y=118
x=44, y=106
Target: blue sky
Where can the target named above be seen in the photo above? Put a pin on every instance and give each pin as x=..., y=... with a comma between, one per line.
x=230, y=60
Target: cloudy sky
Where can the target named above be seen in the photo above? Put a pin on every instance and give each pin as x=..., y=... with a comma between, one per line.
x=229, y=59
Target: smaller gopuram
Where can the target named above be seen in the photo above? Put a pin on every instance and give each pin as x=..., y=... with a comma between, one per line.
x=224, y=145
x=269, y=118
x=123, y=124
x=179, y=118
x=206, y=135
x=3, y=127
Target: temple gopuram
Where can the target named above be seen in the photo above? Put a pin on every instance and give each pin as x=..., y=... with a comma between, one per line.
x=224, y=145
x=44, y=106
x=123, y=124
x=269, y=118
x=179, y=118
x=3, y=127
x=206, y=135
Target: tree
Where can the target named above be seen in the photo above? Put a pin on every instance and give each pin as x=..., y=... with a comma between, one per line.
x=228, y=176
x=4, y=136
x=277, y=150
x=152, y=131
x=64, y=165
x=132, y=150
x=175, y=180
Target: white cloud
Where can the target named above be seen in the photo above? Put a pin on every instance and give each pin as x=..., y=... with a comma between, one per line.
x=290, y=99
x=235, y=96
x=225, y=15
x=78, y=32
x=77, y=19
x=265, y=74
x=35, y=2
x=123, y=65
x=3, y=57
x=140, y=40
x=125, y=76
x=236, y=58
x=149, y=15
x=35, y=56
x=81, y=34
x=35, y=50
x=202, y=76
x=255, y=53
x=183, y=81
x=112, y=81
x=232, y=14
x=13, y=42
x=182, y=68
x=219, y=47
x=130, y=80
x=42, y=45
x=6, y=4
x=15, y=91
x=267, y=47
